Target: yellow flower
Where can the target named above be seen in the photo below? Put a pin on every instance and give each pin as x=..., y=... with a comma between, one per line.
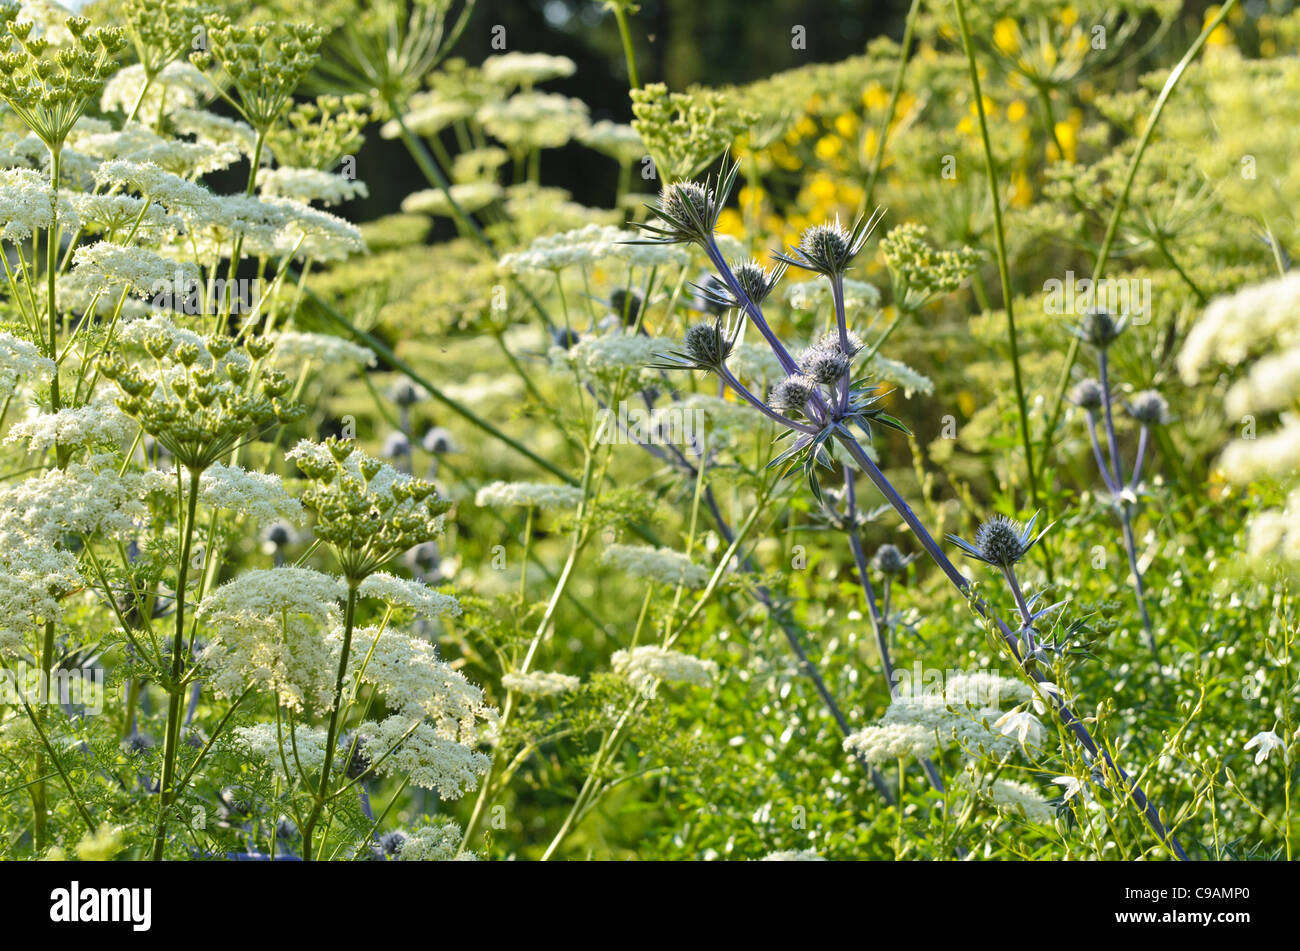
x=1069, y=16
x=730, y=222
x=1006, y=35
x=828, y=146
x=1221, y=36
x=875, y=96
x=1017, y=110
x=966, y=403
x=822, y=188
x=846, y=124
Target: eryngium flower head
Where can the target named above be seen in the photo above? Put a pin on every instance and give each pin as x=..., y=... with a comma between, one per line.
x=825, y=364
x=706, y=346
x=688, y=211
x=755, y=280
x=890, y=561
x=626, y=305
x=791, y=395
x=1149, y=408
x=1100, y=328
x=1000, y=541
x=829, y=248
x=1087, y=394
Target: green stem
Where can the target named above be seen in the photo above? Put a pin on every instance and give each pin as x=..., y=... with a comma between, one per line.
x=1003, y=270
x=1112, y=227
x=175, y=690
x=895, y=91
x=331, y=734
x=629, y=54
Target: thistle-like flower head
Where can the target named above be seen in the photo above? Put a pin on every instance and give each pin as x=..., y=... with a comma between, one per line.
x=825, y=363
x=706, y=346
x=829, y=248
x=890, y=561
x=688, y=211
x=1100, y=328
x=1149, y=408
x=790, y=396
x=1087, y=394
x=754, y=279
x=626, y=305
x=1000, y=541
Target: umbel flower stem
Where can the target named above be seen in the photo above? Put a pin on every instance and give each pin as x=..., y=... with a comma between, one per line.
x=175, y=690
x=331, y=734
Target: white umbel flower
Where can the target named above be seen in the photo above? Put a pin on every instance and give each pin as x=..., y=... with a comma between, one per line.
x=540, y=683
x=414, y=749
x=22, y=363
x=305, y=747
x=138, y=269
x=95, y=424
x=311, y=184
x=662, y=565
x=293, y=347
x=529, y=494
x=800, y=855
x=405, y=593
x=889, y=742
x=644, y=667
x=258, y=495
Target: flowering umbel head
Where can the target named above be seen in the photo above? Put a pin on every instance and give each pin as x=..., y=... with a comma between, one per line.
x=1001, y=542
x=202, y=398
x=366, y=511
x=688, y=211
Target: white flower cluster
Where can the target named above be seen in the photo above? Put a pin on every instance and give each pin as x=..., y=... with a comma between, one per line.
x=816, y=295
x=304, y=748
x=416, y=749
x=267, y=629
x=293, y=347
x=415, y=683
x=529, y=494
x=1258, y=326
x=34, y=578
x=470, y=196
x=95, y=424
x=644, y=667
x=586, y=246
x=960, y=716
x=540, y=683
x=258, y=495
x=310, y=184
x=405, y=593
x=661, y=565
x=1020, y=798
x=21, y=363
x=82, y=500
x=140, y=270
x=526, y=69
x=434, y=842
x=609, y=357
x=801, y=855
